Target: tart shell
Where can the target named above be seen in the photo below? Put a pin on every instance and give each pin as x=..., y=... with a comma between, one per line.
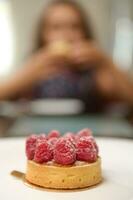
x=64, y=177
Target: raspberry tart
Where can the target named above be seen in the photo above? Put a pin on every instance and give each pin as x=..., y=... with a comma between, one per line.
x=63, y=162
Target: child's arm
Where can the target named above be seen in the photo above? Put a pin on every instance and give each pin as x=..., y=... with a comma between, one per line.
x=40, y=66
x=111, y=81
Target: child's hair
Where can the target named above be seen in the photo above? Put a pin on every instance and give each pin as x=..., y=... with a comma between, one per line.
x=85, y=25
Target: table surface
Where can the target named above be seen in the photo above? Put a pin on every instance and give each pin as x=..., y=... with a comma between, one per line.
x=100, y=124
x=117, y=167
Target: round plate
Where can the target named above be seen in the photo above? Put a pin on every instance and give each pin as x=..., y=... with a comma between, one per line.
x=56, y=107
x=117, y=166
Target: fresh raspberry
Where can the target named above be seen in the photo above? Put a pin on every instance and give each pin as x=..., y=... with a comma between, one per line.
x=53, y=141
x=30, y=146
x=54, y=133
x=94, y=142
x=70, y=137
x=69, y=134
x=41, y=138
x=84, y=132
x=86, y=150
x=43, y=152
x=64, y=152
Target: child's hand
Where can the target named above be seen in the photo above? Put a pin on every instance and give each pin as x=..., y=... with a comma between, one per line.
x=44, y=64
x=85, y=53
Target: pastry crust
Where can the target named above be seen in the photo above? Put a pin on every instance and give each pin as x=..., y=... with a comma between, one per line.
x=54, y=176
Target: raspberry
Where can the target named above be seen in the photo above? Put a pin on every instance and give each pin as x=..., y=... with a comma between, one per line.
x=86, y=150
x=43, y=152
x=53, y=141
x=30, y=146
x=70, y=137
x=54, y=133
x=41, y=138
x=84, y=132
x=95, y=144
x=64, y=152
x=69, y=134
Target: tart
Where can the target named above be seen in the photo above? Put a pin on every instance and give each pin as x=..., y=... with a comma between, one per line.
x=67, y=162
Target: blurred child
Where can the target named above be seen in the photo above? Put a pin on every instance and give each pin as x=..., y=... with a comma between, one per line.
x=67, y=63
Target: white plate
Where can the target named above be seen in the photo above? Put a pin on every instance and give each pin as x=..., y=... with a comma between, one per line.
x=117, y=164
x=56, y=107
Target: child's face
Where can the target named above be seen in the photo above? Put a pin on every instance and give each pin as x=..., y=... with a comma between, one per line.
x=62, y=23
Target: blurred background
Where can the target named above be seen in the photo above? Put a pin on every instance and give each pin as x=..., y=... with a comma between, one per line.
x=112, y=22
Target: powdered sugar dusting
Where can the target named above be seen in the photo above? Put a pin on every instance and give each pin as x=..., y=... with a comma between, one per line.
x=64, y=150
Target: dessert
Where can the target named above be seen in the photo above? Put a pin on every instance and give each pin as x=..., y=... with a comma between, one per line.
x=63, y=162
x=60, y=47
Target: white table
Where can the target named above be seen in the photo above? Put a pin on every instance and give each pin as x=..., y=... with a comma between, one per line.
x=117, y=164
